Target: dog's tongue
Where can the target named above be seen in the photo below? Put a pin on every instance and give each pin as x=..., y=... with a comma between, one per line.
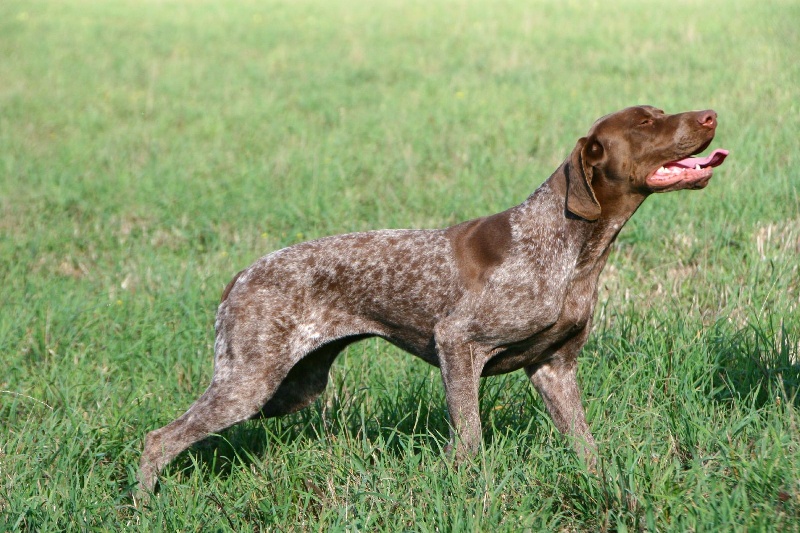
x=714, y=159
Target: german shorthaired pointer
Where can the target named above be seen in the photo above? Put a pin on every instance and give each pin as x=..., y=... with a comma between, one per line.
x=510, y=291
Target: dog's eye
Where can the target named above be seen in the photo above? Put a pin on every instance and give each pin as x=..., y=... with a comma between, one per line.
x=646, y=122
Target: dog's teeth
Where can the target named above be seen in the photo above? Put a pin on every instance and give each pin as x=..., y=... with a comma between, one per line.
x=662, y=169
x=697, y=167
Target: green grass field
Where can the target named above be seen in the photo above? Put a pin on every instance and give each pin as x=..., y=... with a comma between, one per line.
x=150, y=150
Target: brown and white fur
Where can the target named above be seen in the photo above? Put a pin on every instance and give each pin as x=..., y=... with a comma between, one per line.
x=514, y=290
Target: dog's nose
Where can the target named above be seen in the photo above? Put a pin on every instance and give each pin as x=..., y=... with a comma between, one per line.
x=707, y=118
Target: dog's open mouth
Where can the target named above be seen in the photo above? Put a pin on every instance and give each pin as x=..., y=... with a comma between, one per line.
x=692, y=172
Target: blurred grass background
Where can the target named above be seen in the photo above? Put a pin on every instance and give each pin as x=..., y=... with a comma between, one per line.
x=150, y=150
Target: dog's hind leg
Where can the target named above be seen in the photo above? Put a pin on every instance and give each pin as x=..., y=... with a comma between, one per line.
x=247, y=372
x=228, y=400
x=265, y=386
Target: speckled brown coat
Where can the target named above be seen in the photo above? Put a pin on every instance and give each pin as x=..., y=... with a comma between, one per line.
x=515, y=290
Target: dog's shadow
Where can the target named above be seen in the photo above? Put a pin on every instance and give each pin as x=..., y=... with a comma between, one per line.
x=759, y=361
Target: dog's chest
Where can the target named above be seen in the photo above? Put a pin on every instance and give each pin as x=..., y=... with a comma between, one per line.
x=572, y=321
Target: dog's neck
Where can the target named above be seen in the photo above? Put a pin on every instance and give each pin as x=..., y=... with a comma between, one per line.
x=592, y=238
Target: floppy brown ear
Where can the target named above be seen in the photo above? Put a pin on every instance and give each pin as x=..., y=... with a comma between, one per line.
x=581, y=200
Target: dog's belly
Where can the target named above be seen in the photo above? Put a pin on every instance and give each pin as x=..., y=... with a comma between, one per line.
x=508, y=361
x=420, y=345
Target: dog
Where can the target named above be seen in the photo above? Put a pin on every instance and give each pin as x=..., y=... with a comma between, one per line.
x=514, y=290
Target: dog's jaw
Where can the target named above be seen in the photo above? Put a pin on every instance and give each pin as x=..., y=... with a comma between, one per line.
x=689, y=173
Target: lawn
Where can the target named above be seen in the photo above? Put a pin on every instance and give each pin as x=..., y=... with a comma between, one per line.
x=151, y=149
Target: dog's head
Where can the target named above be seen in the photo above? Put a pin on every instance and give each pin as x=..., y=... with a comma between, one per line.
x=638, y=151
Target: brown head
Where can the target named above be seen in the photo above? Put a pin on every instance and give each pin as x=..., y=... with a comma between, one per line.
x=637, y=151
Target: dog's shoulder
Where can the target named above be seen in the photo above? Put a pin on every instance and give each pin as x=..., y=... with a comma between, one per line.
x=479, y=246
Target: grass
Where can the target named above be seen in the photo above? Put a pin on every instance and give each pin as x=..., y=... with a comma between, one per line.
x=149, y=150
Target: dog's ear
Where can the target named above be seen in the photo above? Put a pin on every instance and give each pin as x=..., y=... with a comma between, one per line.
x=579, y=171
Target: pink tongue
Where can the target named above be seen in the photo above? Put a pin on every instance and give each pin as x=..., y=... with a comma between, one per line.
x=714, y=159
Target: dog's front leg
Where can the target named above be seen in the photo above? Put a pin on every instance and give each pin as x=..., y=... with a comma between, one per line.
x=461, y=363
x=556, y=382
x=461, y=391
